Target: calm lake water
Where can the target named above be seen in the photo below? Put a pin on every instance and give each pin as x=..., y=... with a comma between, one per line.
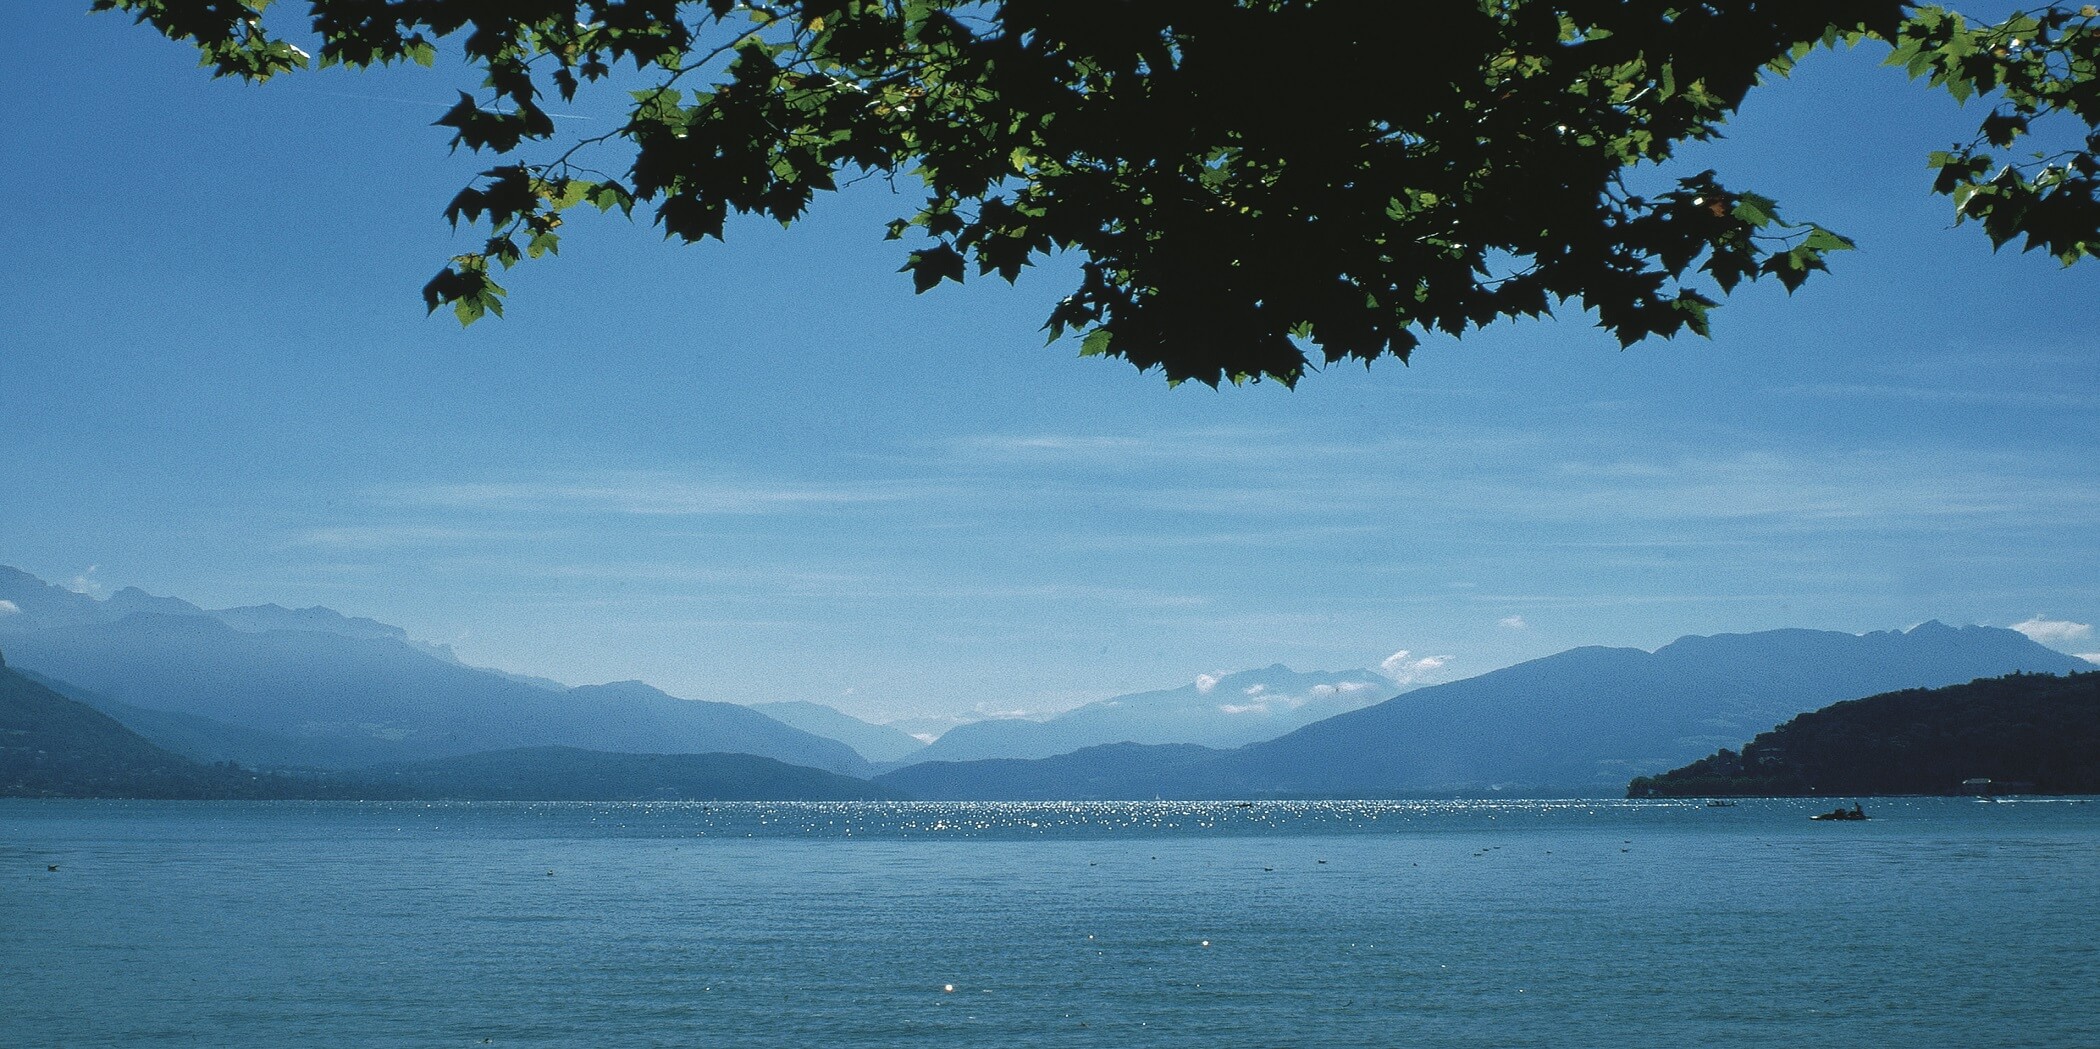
x=1592, y=923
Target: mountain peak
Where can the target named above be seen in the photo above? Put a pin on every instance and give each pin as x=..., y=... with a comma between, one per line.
x=622, y=689
x=131, y=600
x=257, y=619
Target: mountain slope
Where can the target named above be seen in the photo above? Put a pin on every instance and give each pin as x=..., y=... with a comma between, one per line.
x=53, y=746
x=192, y=736
x=877, y=743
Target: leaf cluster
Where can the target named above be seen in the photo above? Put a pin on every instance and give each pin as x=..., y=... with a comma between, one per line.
x=2037, y=66
x=1252, y=188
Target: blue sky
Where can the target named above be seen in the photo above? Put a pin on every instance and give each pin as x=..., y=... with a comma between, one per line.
x=764, y=470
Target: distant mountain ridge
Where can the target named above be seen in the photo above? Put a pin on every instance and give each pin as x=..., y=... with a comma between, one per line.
x=41, y=605
x=344, y=692
x=54, y=746
x=1585, y=720
x=877, y=743
x=314, y=688
x=1218, y=712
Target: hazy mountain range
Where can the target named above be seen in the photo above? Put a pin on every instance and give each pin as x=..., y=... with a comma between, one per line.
x=315, y=688
x=54, y=746
x=311, y=688
x=1587, y=720
x=1214, y=711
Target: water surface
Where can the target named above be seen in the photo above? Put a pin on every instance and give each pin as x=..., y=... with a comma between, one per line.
x=1938, y=923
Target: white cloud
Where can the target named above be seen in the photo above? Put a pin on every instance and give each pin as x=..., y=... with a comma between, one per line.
x=2090, y=657
x=2053, y=631
x=1512, y=623
x=86, y=583
x=9, y=608
x=1406, y=671
x=1256, y=690
x=1206, y=682
x=1350, y=687
x=1244, y=708
x=1322, y=691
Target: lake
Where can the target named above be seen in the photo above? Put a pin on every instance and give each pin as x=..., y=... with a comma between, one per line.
x=1940, y=922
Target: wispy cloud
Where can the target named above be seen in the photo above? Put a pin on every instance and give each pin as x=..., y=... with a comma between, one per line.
x=1455, y=477
x=2053, y=631
x=1512, y=623
x=9, y=608
x=1215, y=444
x=1947, y=395
x=853, y=582
x=1404, y=669
x=388, y=537
x=642, y=494
x=2090, y=657
x=990, y=711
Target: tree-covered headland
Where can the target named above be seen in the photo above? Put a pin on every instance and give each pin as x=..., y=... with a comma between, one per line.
x=2039, y=731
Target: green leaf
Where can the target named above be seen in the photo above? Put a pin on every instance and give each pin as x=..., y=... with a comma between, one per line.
x=1756, y=210
x=1821, y=240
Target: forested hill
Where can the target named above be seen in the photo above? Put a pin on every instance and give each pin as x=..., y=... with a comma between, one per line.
x=52, y=746
x=2032, y=729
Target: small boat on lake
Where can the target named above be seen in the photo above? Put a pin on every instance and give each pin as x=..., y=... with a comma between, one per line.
x=1841, y=813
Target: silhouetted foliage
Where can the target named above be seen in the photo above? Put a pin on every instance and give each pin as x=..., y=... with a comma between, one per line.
x=1247, y=185
x=2036, y=729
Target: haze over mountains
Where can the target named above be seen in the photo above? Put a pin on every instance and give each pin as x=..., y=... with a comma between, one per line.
x=877, y=743
x=52, y=746
x=1213, y=711
x=313, y=689
x=337, y=692
x=1586, y=720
